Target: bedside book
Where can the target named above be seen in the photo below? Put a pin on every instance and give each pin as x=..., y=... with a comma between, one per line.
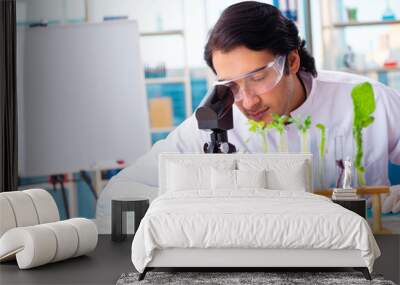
x=344, y=194
x=349, y=198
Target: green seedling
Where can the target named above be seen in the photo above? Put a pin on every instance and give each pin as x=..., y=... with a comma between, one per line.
x=322, y=151
x=322, y=142
x=364, y=105
x=303, y=127
x=278, y=123
x=261, y=129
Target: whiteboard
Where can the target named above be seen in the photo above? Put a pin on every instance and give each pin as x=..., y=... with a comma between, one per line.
x=81, y=92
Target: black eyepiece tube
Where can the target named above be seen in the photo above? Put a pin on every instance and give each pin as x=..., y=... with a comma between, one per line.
x=216, y=112
x=216, y=115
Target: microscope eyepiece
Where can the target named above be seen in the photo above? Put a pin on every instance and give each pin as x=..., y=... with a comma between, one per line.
x=216, y=112
x=216, y=115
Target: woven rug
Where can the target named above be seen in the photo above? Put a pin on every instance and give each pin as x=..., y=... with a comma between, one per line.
x=230, y=278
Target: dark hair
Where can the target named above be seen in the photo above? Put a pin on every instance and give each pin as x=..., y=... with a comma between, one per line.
x=257, y=26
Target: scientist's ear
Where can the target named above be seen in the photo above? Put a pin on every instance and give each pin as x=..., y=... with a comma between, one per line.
x=293, y=62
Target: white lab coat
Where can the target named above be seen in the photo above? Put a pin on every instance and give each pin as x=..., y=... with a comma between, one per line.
x=329, y=102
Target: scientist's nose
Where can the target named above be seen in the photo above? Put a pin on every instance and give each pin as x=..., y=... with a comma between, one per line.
x=250, y=101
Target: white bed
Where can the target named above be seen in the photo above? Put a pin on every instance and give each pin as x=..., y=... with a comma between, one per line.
x=200, y=220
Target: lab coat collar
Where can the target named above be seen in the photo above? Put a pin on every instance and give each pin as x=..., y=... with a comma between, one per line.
x=310, y=84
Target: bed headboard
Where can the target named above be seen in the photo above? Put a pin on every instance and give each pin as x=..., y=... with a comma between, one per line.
x=166, y=158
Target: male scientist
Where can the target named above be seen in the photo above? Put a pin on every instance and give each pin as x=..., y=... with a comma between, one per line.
x=258, y=53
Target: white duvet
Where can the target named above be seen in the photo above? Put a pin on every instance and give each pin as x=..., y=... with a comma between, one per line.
x=250, y=219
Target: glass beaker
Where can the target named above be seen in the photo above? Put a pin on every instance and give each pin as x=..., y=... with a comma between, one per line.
x=283, y=142
x=344, y=149
x=280, y=140
x=322, y=144
x=339, y=141
x=304, y=141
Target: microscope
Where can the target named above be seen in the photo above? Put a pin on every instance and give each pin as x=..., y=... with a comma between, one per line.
x=216, y=115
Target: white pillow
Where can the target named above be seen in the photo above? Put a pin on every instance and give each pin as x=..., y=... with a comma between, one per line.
x=292, y=179
x=187, y=174
x=225, y=179
x=251, y=178
x=281, y=174
x=188, y=177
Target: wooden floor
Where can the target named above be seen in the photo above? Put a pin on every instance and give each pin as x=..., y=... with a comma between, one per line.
x=392, y=223
x=110, y=260
x=389, y=262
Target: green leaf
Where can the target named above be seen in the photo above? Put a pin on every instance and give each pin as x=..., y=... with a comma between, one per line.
x=278, y=122
x=295, y=121
x=367, y=121
x=253, y=129
x=320, y=126
x=261, y=125
x=307, y=123
x=363, y=103
x=302, y=126
x=275, y=117
x=261, y=129
x=253, y=125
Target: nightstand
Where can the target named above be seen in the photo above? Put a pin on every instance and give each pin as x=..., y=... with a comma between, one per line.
x=119, y=208
x=375, y=192
x=358, y=206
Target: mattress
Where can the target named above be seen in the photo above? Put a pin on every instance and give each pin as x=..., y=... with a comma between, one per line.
x=250, y=219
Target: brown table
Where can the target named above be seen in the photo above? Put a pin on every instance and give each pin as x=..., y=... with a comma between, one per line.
x=375, y=192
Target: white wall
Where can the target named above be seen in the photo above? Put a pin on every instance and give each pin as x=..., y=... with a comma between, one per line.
x=151, y=15
x=62, y=10
x=73, y=120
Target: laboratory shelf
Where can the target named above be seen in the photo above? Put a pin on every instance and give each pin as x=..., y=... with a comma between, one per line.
x=363, y=24
x=163, y=33
x=183, y=106
x=373, y=70
x=165, y=80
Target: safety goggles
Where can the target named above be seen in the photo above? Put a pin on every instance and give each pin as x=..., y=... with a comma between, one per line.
x=258, y=81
